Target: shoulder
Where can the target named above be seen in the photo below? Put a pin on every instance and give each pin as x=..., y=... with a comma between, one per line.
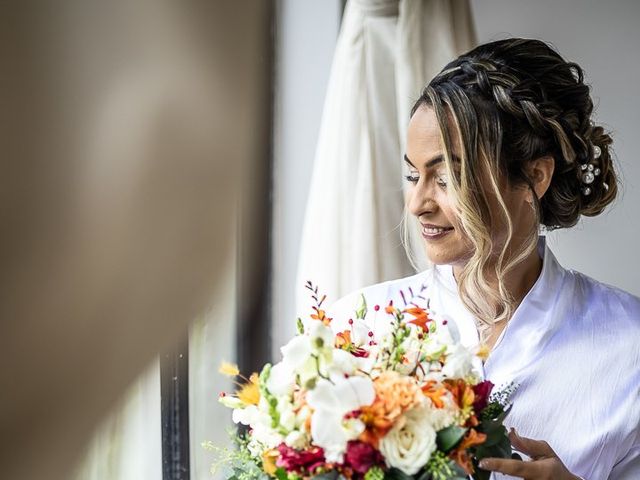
x=604, y=328
x=616, y=304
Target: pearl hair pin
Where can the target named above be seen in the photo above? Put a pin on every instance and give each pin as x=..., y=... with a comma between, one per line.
x=590, y=172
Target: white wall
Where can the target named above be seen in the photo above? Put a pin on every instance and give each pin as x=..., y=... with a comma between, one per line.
x=603, y=38
x=307, y=33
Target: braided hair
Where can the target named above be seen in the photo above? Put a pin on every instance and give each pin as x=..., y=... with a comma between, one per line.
x=510, y=102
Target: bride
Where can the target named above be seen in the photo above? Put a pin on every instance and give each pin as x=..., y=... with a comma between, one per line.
x=500, y=144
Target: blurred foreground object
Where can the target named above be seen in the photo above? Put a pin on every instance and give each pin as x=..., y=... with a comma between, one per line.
x=125, y=128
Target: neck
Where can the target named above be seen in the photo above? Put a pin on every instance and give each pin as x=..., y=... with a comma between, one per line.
x=519, y=281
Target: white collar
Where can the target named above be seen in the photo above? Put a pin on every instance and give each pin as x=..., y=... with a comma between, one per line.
x=533, y=322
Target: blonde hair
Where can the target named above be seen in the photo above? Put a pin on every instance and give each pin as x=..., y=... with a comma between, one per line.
x=506, y=110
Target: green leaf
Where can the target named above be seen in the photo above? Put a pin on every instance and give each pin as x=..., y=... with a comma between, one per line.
x=397, y=474
x=449, y=437
x=501, y=449
x=503, y=415
x=281, y=473
x=361, y=311
x=424, y=476
x=495, y=436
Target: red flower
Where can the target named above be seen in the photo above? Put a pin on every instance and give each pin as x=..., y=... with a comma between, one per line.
x=361, y=456
x=482, y=392
x=300, y=461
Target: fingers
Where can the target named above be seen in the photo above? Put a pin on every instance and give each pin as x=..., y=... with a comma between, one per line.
x=515, y=468
x=533, y=448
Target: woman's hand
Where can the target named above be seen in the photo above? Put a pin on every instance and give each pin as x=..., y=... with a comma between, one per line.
x=544, y=465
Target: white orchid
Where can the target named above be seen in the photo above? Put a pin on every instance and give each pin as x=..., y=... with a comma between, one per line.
x=331, y=402
x=246, y=415
x=281, y=379
x=459, y=362
x=308, y=354
x=296, y=352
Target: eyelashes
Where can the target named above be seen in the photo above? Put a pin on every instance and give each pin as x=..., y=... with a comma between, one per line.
x=441, y=180
x=412, y=178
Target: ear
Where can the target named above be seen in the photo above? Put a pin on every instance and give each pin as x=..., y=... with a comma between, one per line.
x=540, y=171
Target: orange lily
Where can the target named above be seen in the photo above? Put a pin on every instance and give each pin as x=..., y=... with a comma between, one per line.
x=343, y=340
x=321, y=315
x=460, y=454
x=435, y=394
x=421, y=317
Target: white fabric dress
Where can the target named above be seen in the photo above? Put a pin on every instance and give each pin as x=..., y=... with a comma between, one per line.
x=572, y=345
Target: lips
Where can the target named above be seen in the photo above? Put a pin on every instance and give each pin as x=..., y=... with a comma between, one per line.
x=434, y=231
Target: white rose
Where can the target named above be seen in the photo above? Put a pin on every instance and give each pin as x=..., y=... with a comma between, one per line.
x=410, y=443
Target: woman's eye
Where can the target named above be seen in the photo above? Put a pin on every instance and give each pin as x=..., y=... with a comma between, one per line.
x=442, y=181
x=413, y=177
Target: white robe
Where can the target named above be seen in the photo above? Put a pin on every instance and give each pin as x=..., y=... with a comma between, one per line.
x=572, y=345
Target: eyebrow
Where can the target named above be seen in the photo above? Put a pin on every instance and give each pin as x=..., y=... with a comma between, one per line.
x=434, y=161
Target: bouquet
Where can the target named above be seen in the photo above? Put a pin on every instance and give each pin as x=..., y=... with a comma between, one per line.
x=403, y=400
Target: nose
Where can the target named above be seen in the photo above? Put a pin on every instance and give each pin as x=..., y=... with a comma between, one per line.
x=420, y=201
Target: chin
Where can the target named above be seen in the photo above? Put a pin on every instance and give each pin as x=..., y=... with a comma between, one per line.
x=447, y=256
x=440, y=258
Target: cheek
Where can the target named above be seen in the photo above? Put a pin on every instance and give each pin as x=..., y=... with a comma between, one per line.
x=448, y=208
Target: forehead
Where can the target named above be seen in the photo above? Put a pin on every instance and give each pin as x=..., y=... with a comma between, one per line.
x=423, y=136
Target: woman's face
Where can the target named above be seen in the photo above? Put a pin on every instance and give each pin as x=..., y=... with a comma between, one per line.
x=427, y=196
x=429, y=200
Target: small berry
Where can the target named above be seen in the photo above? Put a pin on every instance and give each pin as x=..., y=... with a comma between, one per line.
x=376, y=308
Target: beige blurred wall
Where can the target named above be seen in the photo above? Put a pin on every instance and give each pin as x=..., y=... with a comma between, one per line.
x=126, y=128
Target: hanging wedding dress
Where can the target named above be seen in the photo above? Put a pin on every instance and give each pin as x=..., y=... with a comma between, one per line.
x=386, y=52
